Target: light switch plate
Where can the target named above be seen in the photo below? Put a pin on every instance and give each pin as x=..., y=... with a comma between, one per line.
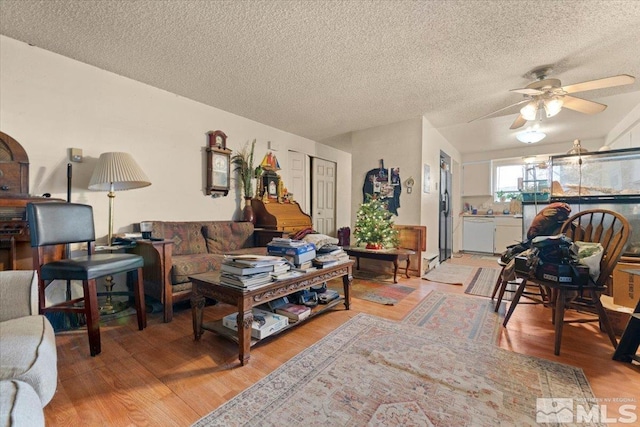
x=75, y=154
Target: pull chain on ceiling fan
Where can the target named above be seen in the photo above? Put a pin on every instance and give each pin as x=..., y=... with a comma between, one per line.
x=547, y=97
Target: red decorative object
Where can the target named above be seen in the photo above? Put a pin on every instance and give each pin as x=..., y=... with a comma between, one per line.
x=374, y=246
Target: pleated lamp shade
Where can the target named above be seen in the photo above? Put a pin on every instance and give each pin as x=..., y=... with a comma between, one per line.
x=119, y=170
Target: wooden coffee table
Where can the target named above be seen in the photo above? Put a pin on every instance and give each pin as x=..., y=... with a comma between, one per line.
x=394, y=255
x=208, y=285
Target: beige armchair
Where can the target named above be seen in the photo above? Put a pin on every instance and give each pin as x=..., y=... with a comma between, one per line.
x=28, y=356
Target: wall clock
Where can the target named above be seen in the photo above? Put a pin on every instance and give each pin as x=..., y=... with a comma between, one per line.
x=218, y=165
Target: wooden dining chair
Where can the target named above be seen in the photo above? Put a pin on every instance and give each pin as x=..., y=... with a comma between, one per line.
x=612, y=231
x=54, y=224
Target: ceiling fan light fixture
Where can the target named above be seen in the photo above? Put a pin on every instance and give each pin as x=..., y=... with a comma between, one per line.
x=529, y=111
x=553, y=106
x=531, y=136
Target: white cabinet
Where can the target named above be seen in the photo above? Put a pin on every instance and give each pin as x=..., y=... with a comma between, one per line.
x=476, y=179
x=508, y=230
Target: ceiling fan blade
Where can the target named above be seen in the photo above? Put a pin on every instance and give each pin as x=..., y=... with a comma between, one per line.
x=502, y=109
x=518, y=122
x=527, y=91
x=582, y=105
x=622, y=79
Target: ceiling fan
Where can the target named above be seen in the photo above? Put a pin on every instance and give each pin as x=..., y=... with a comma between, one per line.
x=546, y=97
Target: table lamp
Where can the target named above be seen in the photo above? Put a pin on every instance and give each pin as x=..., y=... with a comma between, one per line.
x=116, y=172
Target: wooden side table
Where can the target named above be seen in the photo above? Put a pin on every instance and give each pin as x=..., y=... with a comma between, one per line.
x=157, y=272
x=393, y=255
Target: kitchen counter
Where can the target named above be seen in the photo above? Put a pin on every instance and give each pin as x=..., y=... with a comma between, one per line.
x=464, y=214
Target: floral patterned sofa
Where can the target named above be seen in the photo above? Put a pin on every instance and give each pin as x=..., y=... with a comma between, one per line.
x=198, y=247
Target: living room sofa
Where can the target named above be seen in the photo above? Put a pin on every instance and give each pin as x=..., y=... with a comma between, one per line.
x=197, y=247
x=28, y=356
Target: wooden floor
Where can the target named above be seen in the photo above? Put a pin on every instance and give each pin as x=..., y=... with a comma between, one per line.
x=162, y=377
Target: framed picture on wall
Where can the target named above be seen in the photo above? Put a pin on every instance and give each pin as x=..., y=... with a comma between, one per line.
x=426, y=179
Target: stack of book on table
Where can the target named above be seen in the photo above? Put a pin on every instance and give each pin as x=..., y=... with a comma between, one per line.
x=251, y=271
x=298, y=252
x=329, y=255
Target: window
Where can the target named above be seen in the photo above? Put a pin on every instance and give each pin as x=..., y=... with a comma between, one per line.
x=514, y=175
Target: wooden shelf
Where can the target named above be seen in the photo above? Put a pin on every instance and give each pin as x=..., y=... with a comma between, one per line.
x=217, y=326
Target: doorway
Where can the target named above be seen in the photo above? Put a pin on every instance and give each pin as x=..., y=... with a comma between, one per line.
x=445, y=225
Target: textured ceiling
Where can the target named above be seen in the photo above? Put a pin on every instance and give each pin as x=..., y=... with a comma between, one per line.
x=322, y=68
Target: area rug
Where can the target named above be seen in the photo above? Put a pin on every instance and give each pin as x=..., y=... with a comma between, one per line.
x=376, y=372
x=374, y=291
x=453, y=274
x=483, y=282
x=459, y=316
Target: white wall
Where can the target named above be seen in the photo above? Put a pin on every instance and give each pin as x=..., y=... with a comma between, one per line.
x=432, y=143
x=626, y=134
x=399, y=144
x=50, y=103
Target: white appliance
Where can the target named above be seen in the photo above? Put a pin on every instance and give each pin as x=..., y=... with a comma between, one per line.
x=477, y=234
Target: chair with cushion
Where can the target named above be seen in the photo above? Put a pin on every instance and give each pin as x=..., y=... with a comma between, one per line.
x=68, y=223
x=612, y=231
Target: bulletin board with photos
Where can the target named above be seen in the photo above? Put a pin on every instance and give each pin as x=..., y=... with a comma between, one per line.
x=384, y=184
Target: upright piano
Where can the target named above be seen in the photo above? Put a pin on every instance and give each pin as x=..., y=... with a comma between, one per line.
x=15, y=240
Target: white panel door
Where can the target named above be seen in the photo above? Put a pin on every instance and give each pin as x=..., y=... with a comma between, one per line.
x=324, y=196
x=299, y=182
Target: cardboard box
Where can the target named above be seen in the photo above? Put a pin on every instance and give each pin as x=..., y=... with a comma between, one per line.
x=272, y=323
x=618, y=315
x=626, y=286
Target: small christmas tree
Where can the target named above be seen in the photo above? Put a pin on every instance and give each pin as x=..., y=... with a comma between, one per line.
x=374, y=225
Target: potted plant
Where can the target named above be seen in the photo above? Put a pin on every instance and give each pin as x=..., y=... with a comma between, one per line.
x=243, y=162
x=501, y=195
x=374, y=225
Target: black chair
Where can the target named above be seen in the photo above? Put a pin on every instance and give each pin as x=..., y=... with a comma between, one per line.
x=54, y=225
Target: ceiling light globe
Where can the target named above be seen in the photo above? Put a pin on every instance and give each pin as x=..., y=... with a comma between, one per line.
x=531, y=136
x=553, y=106
x=529, y=111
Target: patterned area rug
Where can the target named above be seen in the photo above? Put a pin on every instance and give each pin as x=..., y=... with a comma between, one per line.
x=453, y=274
x=376, y=372
x=383, y=293
x=483, y=282
x=459, y=316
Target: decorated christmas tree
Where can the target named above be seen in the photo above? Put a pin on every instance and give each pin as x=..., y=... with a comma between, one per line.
x=374, y=225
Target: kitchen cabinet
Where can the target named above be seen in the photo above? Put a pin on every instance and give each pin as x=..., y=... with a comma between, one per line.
x=508, y=230
x=476, y=179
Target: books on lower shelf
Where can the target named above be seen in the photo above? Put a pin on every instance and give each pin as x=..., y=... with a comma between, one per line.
x=294, y=312
x=264, y=323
